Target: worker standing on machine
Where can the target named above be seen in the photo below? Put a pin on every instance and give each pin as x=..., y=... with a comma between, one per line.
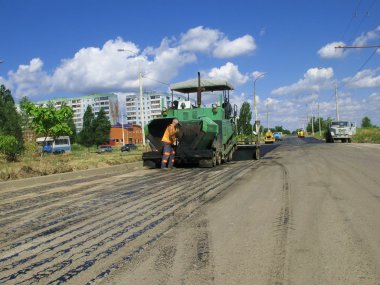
x=169, y=137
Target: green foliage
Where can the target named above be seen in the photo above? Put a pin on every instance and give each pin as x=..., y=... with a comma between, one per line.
x=102, y=128
x=9, y=147
x=71, y=124
x=25, y=120
x=86, y=137
x=324, y=124
x=366, y=123
x=9, y=118
x=367, y=135
x=48, y=121
x=244, y=123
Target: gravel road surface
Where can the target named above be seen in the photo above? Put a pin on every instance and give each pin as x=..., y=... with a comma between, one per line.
x=307, y=213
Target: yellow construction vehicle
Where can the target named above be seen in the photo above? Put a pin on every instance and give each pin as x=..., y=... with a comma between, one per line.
x=301, y=133
x=269, y=138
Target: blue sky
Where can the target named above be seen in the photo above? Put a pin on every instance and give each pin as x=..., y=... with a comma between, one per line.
x=69, y=48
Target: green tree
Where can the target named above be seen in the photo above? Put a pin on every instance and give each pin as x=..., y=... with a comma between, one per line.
x=10, y=129
x=71, y=124
x=102, y=126
x=9, y=147
x=366, y=122
x=48, y=121
x=244, y=123
x=25, y=120
x=86, y=136
x=9, y=118
x=281, y=129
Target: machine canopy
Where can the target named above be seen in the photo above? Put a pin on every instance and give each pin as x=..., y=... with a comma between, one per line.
x=191, y=86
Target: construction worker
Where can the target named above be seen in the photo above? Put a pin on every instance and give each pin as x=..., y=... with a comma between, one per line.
x=168, y=139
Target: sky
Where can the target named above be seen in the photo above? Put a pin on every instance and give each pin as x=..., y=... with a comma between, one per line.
x=69, y=48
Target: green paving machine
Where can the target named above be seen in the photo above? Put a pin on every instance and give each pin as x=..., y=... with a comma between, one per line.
x=207, y=135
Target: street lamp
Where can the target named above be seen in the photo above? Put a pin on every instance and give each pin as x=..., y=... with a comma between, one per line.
x=257, y=122
x=141, y=97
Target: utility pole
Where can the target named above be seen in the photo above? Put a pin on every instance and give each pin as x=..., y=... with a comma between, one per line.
x=267, y=117
x=141, y=109
x=122, y=127
x=319, y=122
x=257, y=122
x=336, y=101
x=141, y=97
x=312, y=119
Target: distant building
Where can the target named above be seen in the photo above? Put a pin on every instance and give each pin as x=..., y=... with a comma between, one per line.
x=132, y=134
x=109, y=102
x=153, y=102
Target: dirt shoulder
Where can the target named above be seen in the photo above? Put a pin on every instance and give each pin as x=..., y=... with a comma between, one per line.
x=35, y=166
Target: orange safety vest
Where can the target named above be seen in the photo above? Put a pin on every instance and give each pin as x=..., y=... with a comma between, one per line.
x=169, y=135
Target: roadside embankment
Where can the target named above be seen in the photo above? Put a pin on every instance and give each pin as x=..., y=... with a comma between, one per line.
x=33, y=166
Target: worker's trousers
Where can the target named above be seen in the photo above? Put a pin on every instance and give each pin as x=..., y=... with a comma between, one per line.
x=168, y=156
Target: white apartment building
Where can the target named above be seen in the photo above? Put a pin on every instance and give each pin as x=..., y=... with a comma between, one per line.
x=153, y=102
x=109, y=102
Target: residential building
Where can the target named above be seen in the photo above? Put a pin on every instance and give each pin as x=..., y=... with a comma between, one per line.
x=109, y=102
x=153, y=102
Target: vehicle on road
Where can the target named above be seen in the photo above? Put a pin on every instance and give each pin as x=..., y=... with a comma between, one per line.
x=128, y=147
x=269, y=138
x=207, y=135
x=301, y=133
x=56, y=145
x=104, y=148
x=277, y=136
x=340, y=130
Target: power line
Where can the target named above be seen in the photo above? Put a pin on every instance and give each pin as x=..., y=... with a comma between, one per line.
x=366, y=15
x=368, y=59
x=158, y=81
x=354, y=15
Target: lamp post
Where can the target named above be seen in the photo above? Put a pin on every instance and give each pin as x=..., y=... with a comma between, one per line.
x=257, y=122
x=141, y=97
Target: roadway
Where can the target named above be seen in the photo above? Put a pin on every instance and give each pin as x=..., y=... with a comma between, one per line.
x=306, y=213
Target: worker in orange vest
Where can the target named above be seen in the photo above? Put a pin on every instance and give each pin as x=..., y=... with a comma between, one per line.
x=168, y=139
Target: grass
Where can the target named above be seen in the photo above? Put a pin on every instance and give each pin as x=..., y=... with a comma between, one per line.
x=31, y=164
x=363, y=135
x=367, y=135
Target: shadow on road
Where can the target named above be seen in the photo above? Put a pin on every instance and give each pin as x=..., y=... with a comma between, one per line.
x=247, y=152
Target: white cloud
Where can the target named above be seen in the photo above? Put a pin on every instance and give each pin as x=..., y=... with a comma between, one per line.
x=226, y=48
x=104, y=69
x=29, y=79
x=364, y=79
x=314, y=79
x=364, y=38
x=200, y=39
x=230, y=73
x=330, y=50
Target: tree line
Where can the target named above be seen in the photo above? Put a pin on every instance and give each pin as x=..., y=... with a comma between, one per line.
x=46, y=121
x=313, y=123
x=244, y=125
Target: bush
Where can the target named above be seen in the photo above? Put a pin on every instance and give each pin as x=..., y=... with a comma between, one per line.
x=9, y=147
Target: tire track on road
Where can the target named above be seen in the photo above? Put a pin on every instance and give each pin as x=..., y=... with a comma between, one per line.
x=74, y=250
x=282, y=225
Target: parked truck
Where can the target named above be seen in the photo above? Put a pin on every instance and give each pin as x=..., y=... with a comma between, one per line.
x=340, y=130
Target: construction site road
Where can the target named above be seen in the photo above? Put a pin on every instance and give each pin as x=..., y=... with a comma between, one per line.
x=306, y=213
